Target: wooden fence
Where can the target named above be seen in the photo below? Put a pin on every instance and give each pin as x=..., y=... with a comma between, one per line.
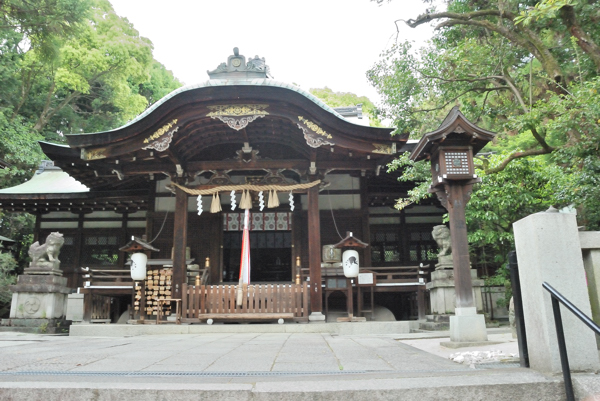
x=259, y=302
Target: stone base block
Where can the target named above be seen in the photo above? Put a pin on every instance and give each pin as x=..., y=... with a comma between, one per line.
x=36, y=305
x=75, y=308
x=40, y=283
x=442, y=293
x=467, y=326
x=40, y=326
x=316, y=317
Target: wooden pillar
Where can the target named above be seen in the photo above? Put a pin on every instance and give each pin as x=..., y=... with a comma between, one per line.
x=314, y=251
x=38, y=224
x=366, y=230
x=458, y=196
x=150, y=213
x=179, y=241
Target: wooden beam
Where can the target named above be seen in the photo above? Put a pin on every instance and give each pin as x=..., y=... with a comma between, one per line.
x=364, y=211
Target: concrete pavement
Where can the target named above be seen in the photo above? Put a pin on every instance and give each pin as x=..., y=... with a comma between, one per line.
x=257, y=366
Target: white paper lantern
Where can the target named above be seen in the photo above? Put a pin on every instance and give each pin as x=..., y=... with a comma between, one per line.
x=350, y=262
x=138, y=266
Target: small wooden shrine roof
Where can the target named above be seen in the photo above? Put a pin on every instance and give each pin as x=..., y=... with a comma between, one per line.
x=351, y=242
x=138, y=244
x=453, y=130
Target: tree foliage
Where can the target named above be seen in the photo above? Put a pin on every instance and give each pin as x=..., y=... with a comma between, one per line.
x=526, y=70
x=8, y=267
x=66, y=66
x=345, y=99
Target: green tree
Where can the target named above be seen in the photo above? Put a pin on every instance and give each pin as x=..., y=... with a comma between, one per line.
x=8, y=267
x=100, y=73
x=345, y=99
x=66, y=66
x=514, y=70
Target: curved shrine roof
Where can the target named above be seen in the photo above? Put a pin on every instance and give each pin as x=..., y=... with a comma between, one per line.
x=238, y=119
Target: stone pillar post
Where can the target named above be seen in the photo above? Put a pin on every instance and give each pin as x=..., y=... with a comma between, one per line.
x=590, y=248
x=548, y=249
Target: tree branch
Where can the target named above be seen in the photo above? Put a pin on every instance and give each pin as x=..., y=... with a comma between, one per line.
x=585, y=42
x=517, y=155
x=427, y=17
x=456, y=97
x=541, y=140
x=527, y=39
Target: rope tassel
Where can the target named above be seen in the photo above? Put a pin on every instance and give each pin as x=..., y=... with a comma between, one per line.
x=215, y=206
x=246, y=202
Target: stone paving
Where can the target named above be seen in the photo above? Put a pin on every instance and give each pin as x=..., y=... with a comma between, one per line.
x=253, y=366
x=244, y=352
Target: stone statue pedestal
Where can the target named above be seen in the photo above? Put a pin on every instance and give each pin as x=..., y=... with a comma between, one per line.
x=39, y=303
x=51, y=268
x=442, y=292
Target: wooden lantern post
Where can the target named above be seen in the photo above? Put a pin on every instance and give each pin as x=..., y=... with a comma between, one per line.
x=351, y=242
x=451, y=149
x=139, y=245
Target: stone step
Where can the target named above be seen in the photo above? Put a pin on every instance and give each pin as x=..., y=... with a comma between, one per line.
x=438, y=318
x=434, y=326
x=510, y=385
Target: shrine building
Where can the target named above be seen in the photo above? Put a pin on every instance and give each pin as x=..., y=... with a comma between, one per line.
x=174, y=178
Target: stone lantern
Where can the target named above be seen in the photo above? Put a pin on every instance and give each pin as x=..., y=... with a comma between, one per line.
x=450, y=149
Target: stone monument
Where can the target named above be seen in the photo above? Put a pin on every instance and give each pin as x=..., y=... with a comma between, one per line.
x=39, y=298
x=549, y=250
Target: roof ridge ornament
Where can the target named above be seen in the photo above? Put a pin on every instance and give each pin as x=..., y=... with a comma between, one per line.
x=236, y=68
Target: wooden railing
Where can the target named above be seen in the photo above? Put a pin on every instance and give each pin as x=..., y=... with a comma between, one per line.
x=399, y=274
x=111, y=277
x=259, y=302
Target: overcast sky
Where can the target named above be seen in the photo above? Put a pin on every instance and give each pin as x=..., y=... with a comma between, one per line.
x=312, y=43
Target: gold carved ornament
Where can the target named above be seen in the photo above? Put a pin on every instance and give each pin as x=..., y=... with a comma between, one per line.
x=93, y=154
x=384, y=149
x=162, y=137
x=314, y=127
x=238, y=116
x=312, y=140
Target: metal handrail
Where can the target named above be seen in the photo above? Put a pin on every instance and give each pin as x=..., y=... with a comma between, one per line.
x=560, y=334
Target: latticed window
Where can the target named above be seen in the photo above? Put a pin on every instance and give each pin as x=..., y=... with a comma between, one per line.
x=68, y=252
x=100, y=250
x=385, y=247
x=421, y=245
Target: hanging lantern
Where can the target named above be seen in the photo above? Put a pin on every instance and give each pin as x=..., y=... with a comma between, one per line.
x=138, y=266
x=350, y=262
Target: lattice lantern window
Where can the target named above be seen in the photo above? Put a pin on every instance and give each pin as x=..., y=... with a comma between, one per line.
x=453, y=163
